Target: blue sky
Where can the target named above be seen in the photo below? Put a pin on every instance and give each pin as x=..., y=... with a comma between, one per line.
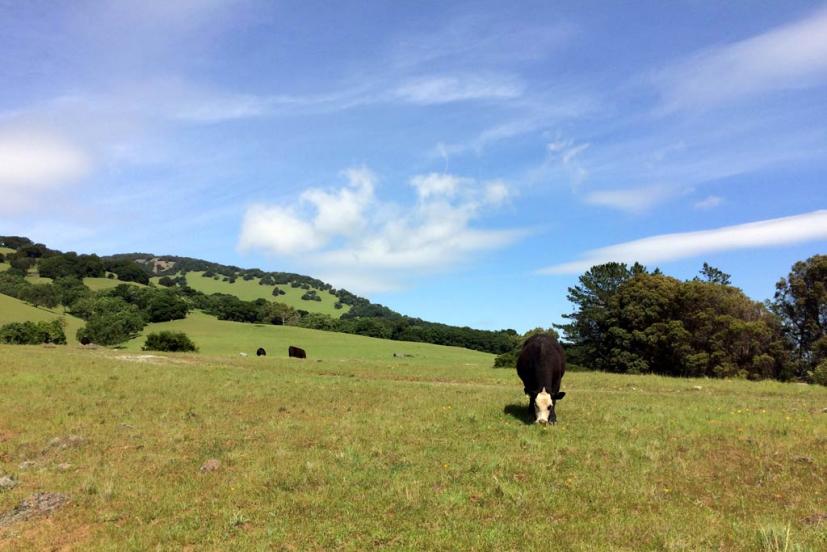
x=462, y=162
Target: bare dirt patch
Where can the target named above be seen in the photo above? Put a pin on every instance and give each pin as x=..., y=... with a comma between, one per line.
x=36, y=505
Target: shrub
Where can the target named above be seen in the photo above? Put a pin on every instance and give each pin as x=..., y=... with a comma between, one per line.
x=175, y=342
x=33, y=333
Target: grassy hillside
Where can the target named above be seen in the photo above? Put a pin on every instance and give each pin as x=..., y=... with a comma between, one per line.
x=230, y=338
x=14, y=310
x=95, y=284
x=366, y=454
x=250, y=290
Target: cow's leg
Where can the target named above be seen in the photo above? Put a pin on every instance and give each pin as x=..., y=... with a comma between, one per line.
x=552, y=416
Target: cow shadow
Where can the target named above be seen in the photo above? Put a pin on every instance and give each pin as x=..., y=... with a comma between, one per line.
x=519, y=412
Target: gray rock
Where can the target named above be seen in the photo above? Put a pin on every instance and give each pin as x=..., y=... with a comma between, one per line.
x=6, y=483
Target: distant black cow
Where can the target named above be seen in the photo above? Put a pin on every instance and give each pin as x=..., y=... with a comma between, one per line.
x=541, y=366
x=296, y=352
x=261, y=352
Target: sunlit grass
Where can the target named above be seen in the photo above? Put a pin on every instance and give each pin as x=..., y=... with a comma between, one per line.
x=419, y=453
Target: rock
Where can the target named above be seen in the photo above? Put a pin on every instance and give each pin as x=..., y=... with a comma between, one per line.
x=64, y=466
x=210, y=465
x=35, y=505
x=70, y=441
x=7, y=483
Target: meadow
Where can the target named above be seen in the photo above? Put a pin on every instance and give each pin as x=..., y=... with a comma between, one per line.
x=250, y=290
x=355, y=449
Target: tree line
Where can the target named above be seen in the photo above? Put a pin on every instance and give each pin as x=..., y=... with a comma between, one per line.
x=630, y=320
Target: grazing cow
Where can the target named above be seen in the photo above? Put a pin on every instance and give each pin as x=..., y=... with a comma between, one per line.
x=541, y=366
x=261, y=352
x=296, y=352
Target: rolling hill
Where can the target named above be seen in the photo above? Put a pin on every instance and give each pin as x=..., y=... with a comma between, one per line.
x=14, y=310
x=250, y=290
x=219, y=337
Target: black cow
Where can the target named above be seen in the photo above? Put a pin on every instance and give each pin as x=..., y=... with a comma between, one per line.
x=541, y=366
x=261, y=352
x=296, y=352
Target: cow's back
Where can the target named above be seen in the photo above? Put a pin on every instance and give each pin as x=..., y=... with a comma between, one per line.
x=541, y=363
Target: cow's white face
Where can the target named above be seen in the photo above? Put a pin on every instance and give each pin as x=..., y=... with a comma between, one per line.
x=543, y=407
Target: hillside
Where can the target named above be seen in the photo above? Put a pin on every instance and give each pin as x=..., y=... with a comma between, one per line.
x=387, y=454
x=14, y=310
x=218, y=337
x=250, y=290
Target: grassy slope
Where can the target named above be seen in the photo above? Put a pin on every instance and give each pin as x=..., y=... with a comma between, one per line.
x=249, y=290
x=14, y=310
x=230, y=338
x=95, y=284
x=365, y=454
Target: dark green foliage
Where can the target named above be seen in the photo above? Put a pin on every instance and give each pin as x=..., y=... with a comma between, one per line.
x=70, y=289
x=40, y=295
x=631, y=321
x=278, y=291
x=71, y=264
x=2, y=258
x=311, y=296
x=22, y=263
x=713, y=275
x=12, y=282
x=801, y=303
x=169, y=341
x=128, y=271
x=109, y=320
x=166, y=281
x=33, y=333
x=14, y=242
x=338, y=305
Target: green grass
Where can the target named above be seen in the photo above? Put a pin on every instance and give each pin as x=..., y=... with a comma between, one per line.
x=217, y=337
x=97, y=284
x=14, y=310
x=250, y=290
x=350, y=454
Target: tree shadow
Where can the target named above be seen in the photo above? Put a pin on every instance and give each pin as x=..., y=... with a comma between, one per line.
x=519, y=412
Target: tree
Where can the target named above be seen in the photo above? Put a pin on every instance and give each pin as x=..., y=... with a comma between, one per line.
x=713, y=275
x=41, y=295
x=70, y=289
x=169, y=341
x=801, y=303
x=166, y=281
x=589, y=323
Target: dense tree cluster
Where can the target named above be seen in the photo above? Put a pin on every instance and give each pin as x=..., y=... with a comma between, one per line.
x=33, y=333
x=632, y=321
x=801, y=303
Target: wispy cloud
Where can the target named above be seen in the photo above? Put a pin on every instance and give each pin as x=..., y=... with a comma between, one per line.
x=349, y=231
x=669, y=247
x=632, y=200
x=709, y=202
x=452, y=88
x=791, y=56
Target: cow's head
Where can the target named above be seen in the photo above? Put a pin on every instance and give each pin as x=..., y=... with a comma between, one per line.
x=544, y=406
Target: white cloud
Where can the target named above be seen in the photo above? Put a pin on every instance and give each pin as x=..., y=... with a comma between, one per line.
x=709, y=202
x=669, y=247
x=788, y=57
x=436, y=184
x=372, y=245
x=33, y=161
x=446, y=89
x=632, y=200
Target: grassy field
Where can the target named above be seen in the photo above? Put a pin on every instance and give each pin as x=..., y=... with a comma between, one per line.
x=217, y=337
x=431, y=454
x=250, y=290
x=14, y=310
